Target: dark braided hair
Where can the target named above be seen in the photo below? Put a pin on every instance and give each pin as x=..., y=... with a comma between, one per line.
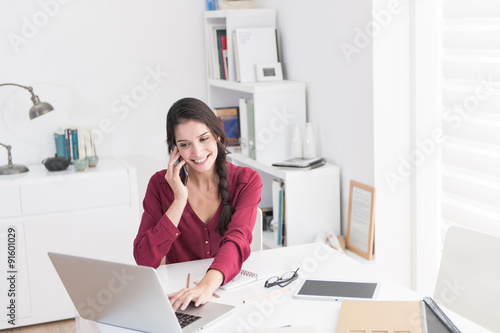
x=187, y=109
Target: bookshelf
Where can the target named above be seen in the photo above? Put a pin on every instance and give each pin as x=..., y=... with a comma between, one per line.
x=312, y=198
x=230, y=20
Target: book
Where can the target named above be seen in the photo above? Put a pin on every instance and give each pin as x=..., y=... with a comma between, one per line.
x=254, y=46
x=67, y=143
x=236, y=57
x=280, y=229
x=211, y=4
x=60, y=144
x=221, y=46
x=74, y=144
x=229, y=118
x=214, y=61
x=247, y=127
x=251, y=129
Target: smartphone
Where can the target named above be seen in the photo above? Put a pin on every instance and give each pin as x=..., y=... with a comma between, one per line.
x=183, y=172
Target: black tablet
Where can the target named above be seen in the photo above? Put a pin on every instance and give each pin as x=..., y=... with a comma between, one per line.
x=337, y=290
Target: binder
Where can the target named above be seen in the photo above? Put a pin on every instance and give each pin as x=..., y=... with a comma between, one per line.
x=254, y=46
x=394, y=316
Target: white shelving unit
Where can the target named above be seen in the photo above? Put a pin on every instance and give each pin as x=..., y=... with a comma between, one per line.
x=231, y=20
x=312, y=198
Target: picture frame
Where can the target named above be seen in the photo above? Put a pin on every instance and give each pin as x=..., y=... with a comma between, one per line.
x=360, y=221
x=268, y=72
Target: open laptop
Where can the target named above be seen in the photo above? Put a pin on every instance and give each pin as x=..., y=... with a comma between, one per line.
x=128, y=296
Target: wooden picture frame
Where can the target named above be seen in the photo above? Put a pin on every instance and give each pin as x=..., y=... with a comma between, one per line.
x=360, y=221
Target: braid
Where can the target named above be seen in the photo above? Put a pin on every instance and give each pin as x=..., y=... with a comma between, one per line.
x=221, y=167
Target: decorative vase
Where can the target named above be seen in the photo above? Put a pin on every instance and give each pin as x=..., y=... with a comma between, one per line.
x=296, y=141
x=310, y=142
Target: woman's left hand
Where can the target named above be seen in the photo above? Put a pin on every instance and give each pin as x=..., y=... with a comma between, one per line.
x=199, y=294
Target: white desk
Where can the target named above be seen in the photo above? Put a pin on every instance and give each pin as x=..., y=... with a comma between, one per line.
x=315, y=261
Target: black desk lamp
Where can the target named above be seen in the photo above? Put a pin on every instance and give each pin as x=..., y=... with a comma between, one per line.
x=38, y=109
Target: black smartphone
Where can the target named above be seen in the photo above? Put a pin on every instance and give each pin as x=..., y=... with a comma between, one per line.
x=183, y=172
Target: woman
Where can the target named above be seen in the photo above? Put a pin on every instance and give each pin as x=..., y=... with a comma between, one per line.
x=213, y=215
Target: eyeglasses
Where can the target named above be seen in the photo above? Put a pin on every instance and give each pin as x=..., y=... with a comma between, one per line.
x=283, y=280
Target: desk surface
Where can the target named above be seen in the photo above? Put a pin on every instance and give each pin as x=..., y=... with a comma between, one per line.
x=315, y=261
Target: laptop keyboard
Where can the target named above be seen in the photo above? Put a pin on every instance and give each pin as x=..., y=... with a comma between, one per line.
x=186, y=319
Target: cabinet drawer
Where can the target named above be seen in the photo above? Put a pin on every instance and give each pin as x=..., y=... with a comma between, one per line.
x=77, y=191
x=10, y=202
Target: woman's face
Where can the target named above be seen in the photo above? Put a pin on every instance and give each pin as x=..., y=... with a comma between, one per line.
x=197, y=145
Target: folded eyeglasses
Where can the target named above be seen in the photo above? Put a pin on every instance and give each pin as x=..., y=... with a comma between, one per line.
x=282, y=280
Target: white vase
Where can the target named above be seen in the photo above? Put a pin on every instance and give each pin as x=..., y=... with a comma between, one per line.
x=296, y=141
x=310, y=142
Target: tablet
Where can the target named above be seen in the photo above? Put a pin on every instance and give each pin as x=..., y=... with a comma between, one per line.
x=336, y=290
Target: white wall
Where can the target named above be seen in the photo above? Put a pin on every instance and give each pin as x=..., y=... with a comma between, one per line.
x=85, y=57
x=393, y=131
x=339, y=88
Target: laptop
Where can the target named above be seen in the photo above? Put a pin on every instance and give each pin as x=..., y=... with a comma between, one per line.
x=128, y=296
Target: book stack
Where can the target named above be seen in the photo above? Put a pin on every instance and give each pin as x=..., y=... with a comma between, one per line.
x=74, y=143
x=218, y=60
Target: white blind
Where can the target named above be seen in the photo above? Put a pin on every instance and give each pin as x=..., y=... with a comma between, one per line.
x=470, y=157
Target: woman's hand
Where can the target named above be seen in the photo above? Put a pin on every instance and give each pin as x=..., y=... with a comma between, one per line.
x=199, y=294
x=173, y=178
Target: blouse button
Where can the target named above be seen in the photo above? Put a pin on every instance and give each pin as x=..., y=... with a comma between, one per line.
x=177, y=234
x=208, y=252
x=206, y=242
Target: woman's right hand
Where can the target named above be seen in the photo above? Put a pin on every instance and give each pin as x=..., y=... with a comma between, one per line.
x=172, y=176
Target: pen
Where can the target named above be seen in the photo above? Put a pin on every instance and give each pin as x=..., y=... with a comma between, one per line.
x=214, y=294
x=187, y=283
x=266, y=295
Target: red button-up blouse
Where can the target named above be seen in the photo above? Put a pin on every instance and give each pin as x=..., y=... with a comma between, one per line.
x=193, y=239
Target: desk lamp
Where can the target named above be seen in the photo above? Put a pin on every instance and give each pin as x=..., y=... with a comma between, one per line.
x=38, y=109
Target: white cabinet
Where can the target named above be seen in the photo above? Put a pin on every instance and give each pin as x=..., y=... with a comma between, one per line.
x=312, y=199
x=92, y=214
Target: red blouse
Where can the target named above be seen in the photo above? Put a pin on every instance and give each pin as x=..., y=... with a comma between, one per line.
x=193, y=239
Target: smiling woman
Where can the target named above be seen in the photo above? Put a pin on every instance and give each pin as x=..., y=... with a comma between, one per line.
x=212, y=215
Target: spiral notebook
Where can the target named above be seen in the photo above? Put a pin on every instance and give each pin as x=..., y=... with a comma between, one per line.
x=255, y=268
x=242, y=278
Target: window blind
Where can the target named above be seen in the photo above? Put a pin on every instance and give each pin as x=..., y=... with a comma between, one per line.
x=470, y=156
